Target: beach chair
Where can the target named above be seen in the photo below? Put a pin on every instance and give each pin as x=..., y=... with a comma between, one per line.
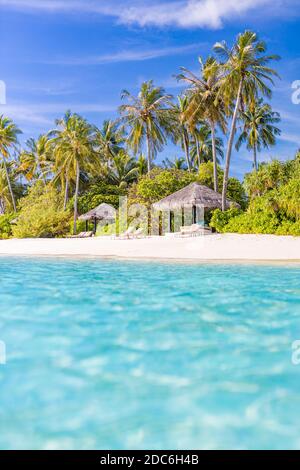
x=138, y=233
x=126, y=235
x=83, y=235
x=194, y=230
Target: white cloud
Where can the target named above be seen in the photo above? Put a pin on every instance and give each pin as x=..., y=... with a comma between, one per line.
x=126, y=56
x=289, y=137
x=190, y=13
x=180, y=13
x=290, y=117
x=46, y=5
x=43, y=114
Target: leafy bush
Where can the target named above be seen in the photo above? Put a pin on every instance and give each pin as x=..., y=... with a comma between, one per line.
x=236, y=192
x=161, y=183
x=264, y=216
x=41, y=214
x=289, y=228
x=97, y=194
x=220, y=220
x=206, y=175
x=235, y=189
x=274, y=206
x=289, y=197
x=6, y=225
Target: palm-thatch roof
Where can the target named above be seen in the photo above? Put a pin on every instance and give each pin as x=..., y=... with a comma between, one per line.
x=102, y=212
x=194, y=194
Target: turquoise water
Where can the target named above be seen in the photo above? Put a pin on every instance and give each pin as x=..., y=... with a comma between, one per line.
x=124, y=355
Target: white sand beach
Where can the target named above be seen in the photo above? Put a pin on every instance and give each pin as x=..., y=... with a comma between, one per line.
x=211, y=247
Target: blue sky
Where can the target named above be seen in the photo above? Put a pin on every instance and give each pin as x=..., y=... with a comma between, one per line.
x=79, y=55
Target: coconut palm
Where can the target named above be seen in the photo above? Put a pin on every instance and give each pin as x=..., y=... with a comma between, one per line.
x=258, y=129
x=177, y=164
x=202, y=146
x=141, y=165
x=205, y=102
x=178, y=127
x=36, y=160
x=245, y=74
x=109, y=139
x=145, y=117
x=5, y=196
x=8, y=139
x=123, y=170
x=74, y=151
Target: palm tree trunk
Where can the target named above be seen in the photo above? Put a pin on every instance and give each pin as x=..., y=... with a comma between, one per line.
x=148, y=150
x=255, y=157
x=43, y=175
x=76, y=198
x=2, y=206
x=9, y=185
x=66, y=194
x=214, y=154
x=186, y=145
x=230, y=145
x=198, y=151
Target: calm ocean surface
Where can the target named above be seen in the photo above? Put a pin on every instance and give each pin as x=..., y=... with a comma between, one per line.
x=128, y=355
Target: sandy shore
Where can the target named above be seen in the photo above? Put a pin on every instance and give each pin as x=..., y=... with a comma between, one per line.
x=211, y=247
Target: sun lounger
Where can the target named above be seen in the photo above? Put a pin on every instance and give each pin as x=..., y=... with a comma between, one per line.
x=126, y=235
x=83, y=235
x=138, y=233
x=194, y=230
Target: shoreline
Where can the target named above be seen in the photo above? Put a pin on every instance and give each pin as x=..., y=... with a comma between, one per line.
x=226, y=248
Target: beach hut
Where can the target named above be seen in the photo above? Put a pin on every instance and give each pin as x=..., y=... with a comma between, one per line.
x=195, y=197
x=103, y=212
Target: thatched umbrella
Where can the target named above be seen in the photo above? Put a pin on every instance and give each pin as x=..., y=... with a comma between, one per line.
x=192, y=196
x=102, y=212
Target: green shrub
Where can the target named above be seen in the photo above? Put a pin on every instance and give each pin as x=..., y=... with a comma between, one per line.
x=41, y=214
x=289, y=228
x=236, y=192
x=97, y=194
x=295, y=229
x=159, y=184
x=6, y=225
x=235, y=189
x=220, y=220
x=285, y=228
x=106, y=230
x=258, y=223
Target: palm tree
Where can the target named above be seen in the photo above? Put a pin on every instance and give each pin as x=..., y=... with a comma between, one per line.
x=205, y=102
x=141, y=165
x=123, y=170
x=245, y=73
x=74, y=151
x=36, y=160
x=5, y=196
x=145, y=116
x=177, y=164
x=178, y=127
x=258, y=129
x=109, y=139
x=8, y=138
x=202, y=146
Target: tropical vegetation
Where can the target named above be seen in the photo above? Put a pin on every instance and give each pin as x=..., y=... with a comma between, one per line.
x=47, y=182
